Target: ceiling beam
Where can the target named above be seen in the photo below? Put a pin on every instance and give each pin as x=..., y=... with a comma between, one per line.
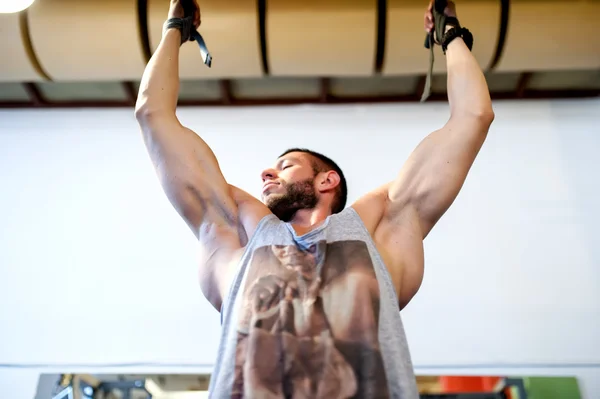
x=65, y=104
x=549, y=94
x=325, y=86
x=226, y=96
x=35, y=96
x=435, y=97
x=522, y=85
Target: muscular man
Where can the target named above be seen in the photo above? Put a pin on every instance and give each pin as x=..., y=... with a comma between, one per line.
x=309, y=290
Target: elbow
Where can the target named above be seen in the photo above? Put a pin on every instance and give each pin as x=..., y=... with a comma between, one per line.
x=142, y=112
x=483, y=113
x=142, y=108
x=482, y=118
x=140, y=115
x=484, y=121
x=148, y=116
x=147, y=113
x=486, y=115
x=145, y=109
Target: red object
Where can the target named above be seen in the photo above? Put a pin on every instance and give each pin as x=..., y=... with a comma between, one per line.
x=468, y=384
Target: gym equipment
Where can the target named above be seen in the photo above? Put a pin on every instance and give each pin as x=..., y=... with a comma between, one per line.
x=188, y=33
x=438, y=34
x=189, y=9
x=84, y=386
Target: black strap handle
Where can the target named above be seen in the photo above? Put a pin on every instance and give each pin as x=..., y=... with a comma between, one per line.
x=439, y=6
x=189, y=9
x=439, y=23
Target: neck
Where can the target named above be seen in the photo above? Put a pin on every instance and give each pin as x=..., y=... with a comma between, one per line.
x=307, y=219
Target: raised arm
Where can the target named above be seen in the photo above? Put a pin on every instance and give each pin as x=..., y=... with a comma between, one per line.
x=433, y=175
x=188, y=169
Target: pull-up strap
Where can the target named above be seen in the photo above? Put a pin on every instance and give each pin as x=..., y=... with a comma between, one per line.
x=189, y=10
x=435, y=36
x=451, y=34
x=188, y=33
x=427, y=89
x=206, y=57
x=455, y=32
x=439, y=36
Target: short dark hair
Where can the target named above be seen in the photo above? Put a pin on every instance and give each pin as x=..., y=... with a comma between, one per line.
x=321, y=163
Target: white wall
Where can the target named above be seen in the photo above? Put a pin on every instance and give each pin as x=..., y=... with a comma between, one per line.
x=98, y=273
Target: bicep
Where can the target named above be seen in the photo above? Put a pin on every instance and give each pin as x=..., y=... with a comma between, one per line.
x=190, y=176
x=436, y=170
x=222, y=216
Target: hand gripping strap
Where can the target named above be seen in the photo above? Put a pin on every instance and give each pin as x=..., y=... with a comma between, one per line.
x=437, y=36
x=188, y=33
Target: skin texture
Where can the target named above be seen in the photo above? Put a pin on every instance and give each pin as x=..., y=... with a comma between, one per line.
x=398, y=215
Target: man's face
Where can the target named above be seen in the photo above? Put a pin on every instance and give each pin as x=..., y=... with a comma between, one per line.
x=292, y=258
x=289, y=185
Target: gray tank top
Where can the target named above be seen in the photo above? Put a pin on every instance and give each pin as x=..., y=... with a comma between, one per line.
x=312, y=316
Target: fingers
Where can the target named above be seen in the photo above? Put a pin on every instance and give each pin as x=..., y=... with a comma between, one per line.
x=428, y=18
x=428, y=21
x=197, y=19
x=450, y=9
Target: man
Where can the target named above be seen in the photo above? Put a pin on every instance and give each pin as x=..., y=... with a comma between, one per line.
x=309, y=290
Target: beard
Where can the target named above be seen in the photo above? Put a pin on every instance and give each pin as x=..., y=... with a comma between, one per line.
x=297, y=196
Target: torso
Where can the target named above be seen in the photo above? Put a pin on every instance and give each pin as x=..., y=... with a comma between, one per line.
x=283, y=328
x=398, y=239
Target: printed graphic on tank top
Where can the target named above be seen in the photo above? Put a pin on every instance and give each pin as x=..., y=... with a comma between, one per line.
x=308, y=325
x=304, y=318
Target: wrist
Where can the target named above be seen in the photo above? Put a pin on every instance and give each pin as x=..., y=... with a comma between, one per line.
x=172, y=35
x=171, y=31
x=457, y=34
x=456, y=42
x=184, y=27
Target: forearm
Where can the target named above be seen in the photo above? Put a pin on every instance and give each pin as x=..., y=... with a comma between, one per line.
x=468, y=93
x=159, y=87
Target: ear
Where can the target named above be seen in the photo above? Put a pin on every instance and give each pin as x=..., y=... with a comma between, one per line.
x=328, y=181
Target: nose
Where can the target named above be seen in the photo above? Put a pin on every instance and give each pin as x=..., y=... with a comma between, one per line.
x=268, y=174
